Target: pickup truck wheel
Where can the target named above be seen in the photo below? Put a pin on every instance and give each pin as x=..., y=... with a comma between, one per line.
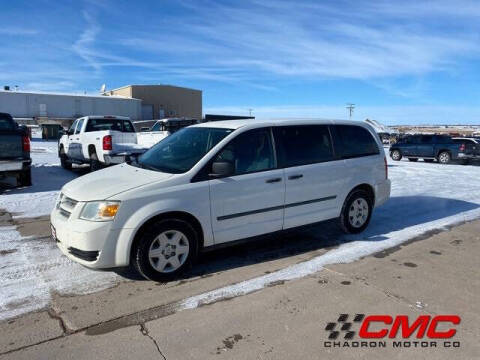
x=396, y=155
x=67, y=165
x=413, y=159
x=356, y=212
x=25, y=178
x=444, y=157
x=94, y=163
x=165, y=250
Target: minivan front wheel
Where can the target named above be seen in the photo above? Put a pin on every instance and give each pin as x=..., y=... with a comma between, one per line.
x=165, y=250
x=356, y=212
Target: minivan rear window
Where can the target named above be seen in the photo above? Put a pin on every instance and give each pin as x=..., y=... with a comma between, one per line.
x=354, y=141
x=303, y=144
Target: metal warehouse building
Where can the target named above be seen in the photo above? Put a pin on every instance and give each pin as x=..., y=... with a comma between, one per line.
x=63, y=108
x=139, y=102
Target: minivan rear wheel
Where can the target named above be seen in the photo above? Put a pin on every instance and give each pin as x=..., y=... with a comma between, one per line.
x=356, y=212
x=165, y=250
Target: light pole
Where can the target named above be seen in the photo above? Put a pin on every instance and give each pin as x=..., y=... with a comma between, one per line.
x=350, y=108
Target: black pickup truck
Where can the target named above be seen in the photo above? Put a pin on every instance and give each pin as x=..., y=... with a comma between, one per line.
x=14, y=151
x=427, y=147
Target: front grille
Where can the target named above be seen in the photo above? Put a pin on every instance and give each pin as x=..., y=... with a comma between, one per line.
x=66, y=206
x=84, y=255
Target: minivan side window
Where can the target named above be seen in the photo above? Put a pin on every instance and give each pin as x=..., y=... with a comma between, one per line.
x=354, y=141
x=303, y=144
x=251, y=151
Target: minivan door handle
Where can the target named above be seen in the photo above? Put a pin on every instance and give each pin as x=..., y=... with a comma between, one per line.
x=274, y=180
x=294, y=177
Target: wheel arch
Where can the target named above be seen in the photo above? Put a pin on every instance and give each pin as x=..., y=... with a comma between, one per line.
x=180, y=215
x=367, y=188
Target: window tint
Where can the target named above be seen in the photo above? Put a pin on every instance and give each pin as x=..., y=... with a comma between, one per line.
x=179, y=152
x=6, y=123
x=127, y=126
x=426, y=139
x=72, y=128
x=109, y=124
x=251, y=151
x=303, y=144
x=355, y=141
x=442, y=139
x=79, y=126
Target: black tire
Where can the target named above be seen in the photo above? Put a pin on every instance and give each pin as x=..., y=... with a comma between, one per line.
x=396, y=155
x=413, y=159
x=94, y=163
x=465, y=161
x=25, y=178
x=346, y=221
x=67, y=165
x=444, y=157
x=140, y=252
x=428, y=160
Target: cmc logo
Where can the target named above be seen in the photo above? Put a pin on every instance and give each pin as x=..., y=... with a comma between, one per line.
x=422, y=325
x=381, y=326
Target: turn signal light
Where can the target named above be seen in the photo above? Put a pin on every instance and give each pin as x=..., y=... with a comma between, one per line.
x=109, y=210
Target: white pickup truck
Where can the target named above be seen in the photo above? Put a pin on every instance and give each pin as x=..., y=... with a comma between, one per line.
x=161, y=129
x=99, y=141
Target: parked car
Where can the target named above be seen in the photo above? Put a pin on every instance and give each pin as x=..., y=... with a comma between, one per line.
x=99, y=141
x=163, y=128
x=427, y=147
x=14, y=151
x=211, y=184
x=469, y=149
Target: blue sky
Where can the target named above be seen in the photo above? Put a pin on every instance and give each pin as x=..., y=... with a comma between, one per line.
x=398, y=61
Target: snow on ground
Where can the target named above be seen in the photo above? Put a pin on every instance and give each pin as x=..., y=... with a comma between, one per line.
x=47, y=177
x=424, y=197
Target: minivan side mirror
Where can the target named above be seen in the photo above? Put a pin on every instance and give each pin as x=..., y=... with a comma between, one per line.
x=222, y=169
x=70, y=132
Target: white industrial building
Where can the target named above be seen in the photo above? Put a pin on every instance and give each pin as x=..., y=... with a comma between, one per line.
x=64, y=108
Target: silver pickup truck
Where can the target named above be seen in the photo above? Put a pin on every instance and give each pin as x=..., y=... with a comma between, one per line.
x=14, y=151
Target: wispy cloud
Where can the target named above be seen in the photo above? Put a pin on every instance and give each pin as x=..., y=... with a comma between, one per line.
x=306, y=39
x=17, y=31
x=83, y=46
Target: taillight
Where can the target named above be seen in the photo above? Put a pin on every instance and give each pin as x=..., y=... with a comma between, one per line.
x=26, y=143
x=386, y=167
x=107, y=142
x=462, y=147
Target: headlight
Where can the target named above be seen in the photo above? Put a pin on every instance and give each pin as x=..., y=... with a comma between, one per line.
x=100, y=210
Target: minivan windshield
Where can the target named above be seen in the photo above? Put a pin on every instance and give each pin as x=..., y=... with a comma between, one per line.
x=180, y=151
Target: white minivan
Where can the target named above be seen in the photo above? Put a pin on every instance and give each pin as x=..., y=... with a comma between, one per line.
x=219, y=182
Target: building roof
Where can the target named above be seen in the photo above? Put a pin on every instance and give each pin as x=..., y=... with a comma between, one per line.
x=65, y=94
x=152, y=85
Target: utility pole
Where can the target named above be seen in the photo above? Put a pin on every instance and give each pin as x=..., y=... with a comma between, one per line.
x=350, y=108
x=250, y=112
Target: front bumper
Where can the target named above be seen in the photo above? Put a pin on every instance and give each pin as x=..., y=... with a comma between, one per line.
x=92, y=244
